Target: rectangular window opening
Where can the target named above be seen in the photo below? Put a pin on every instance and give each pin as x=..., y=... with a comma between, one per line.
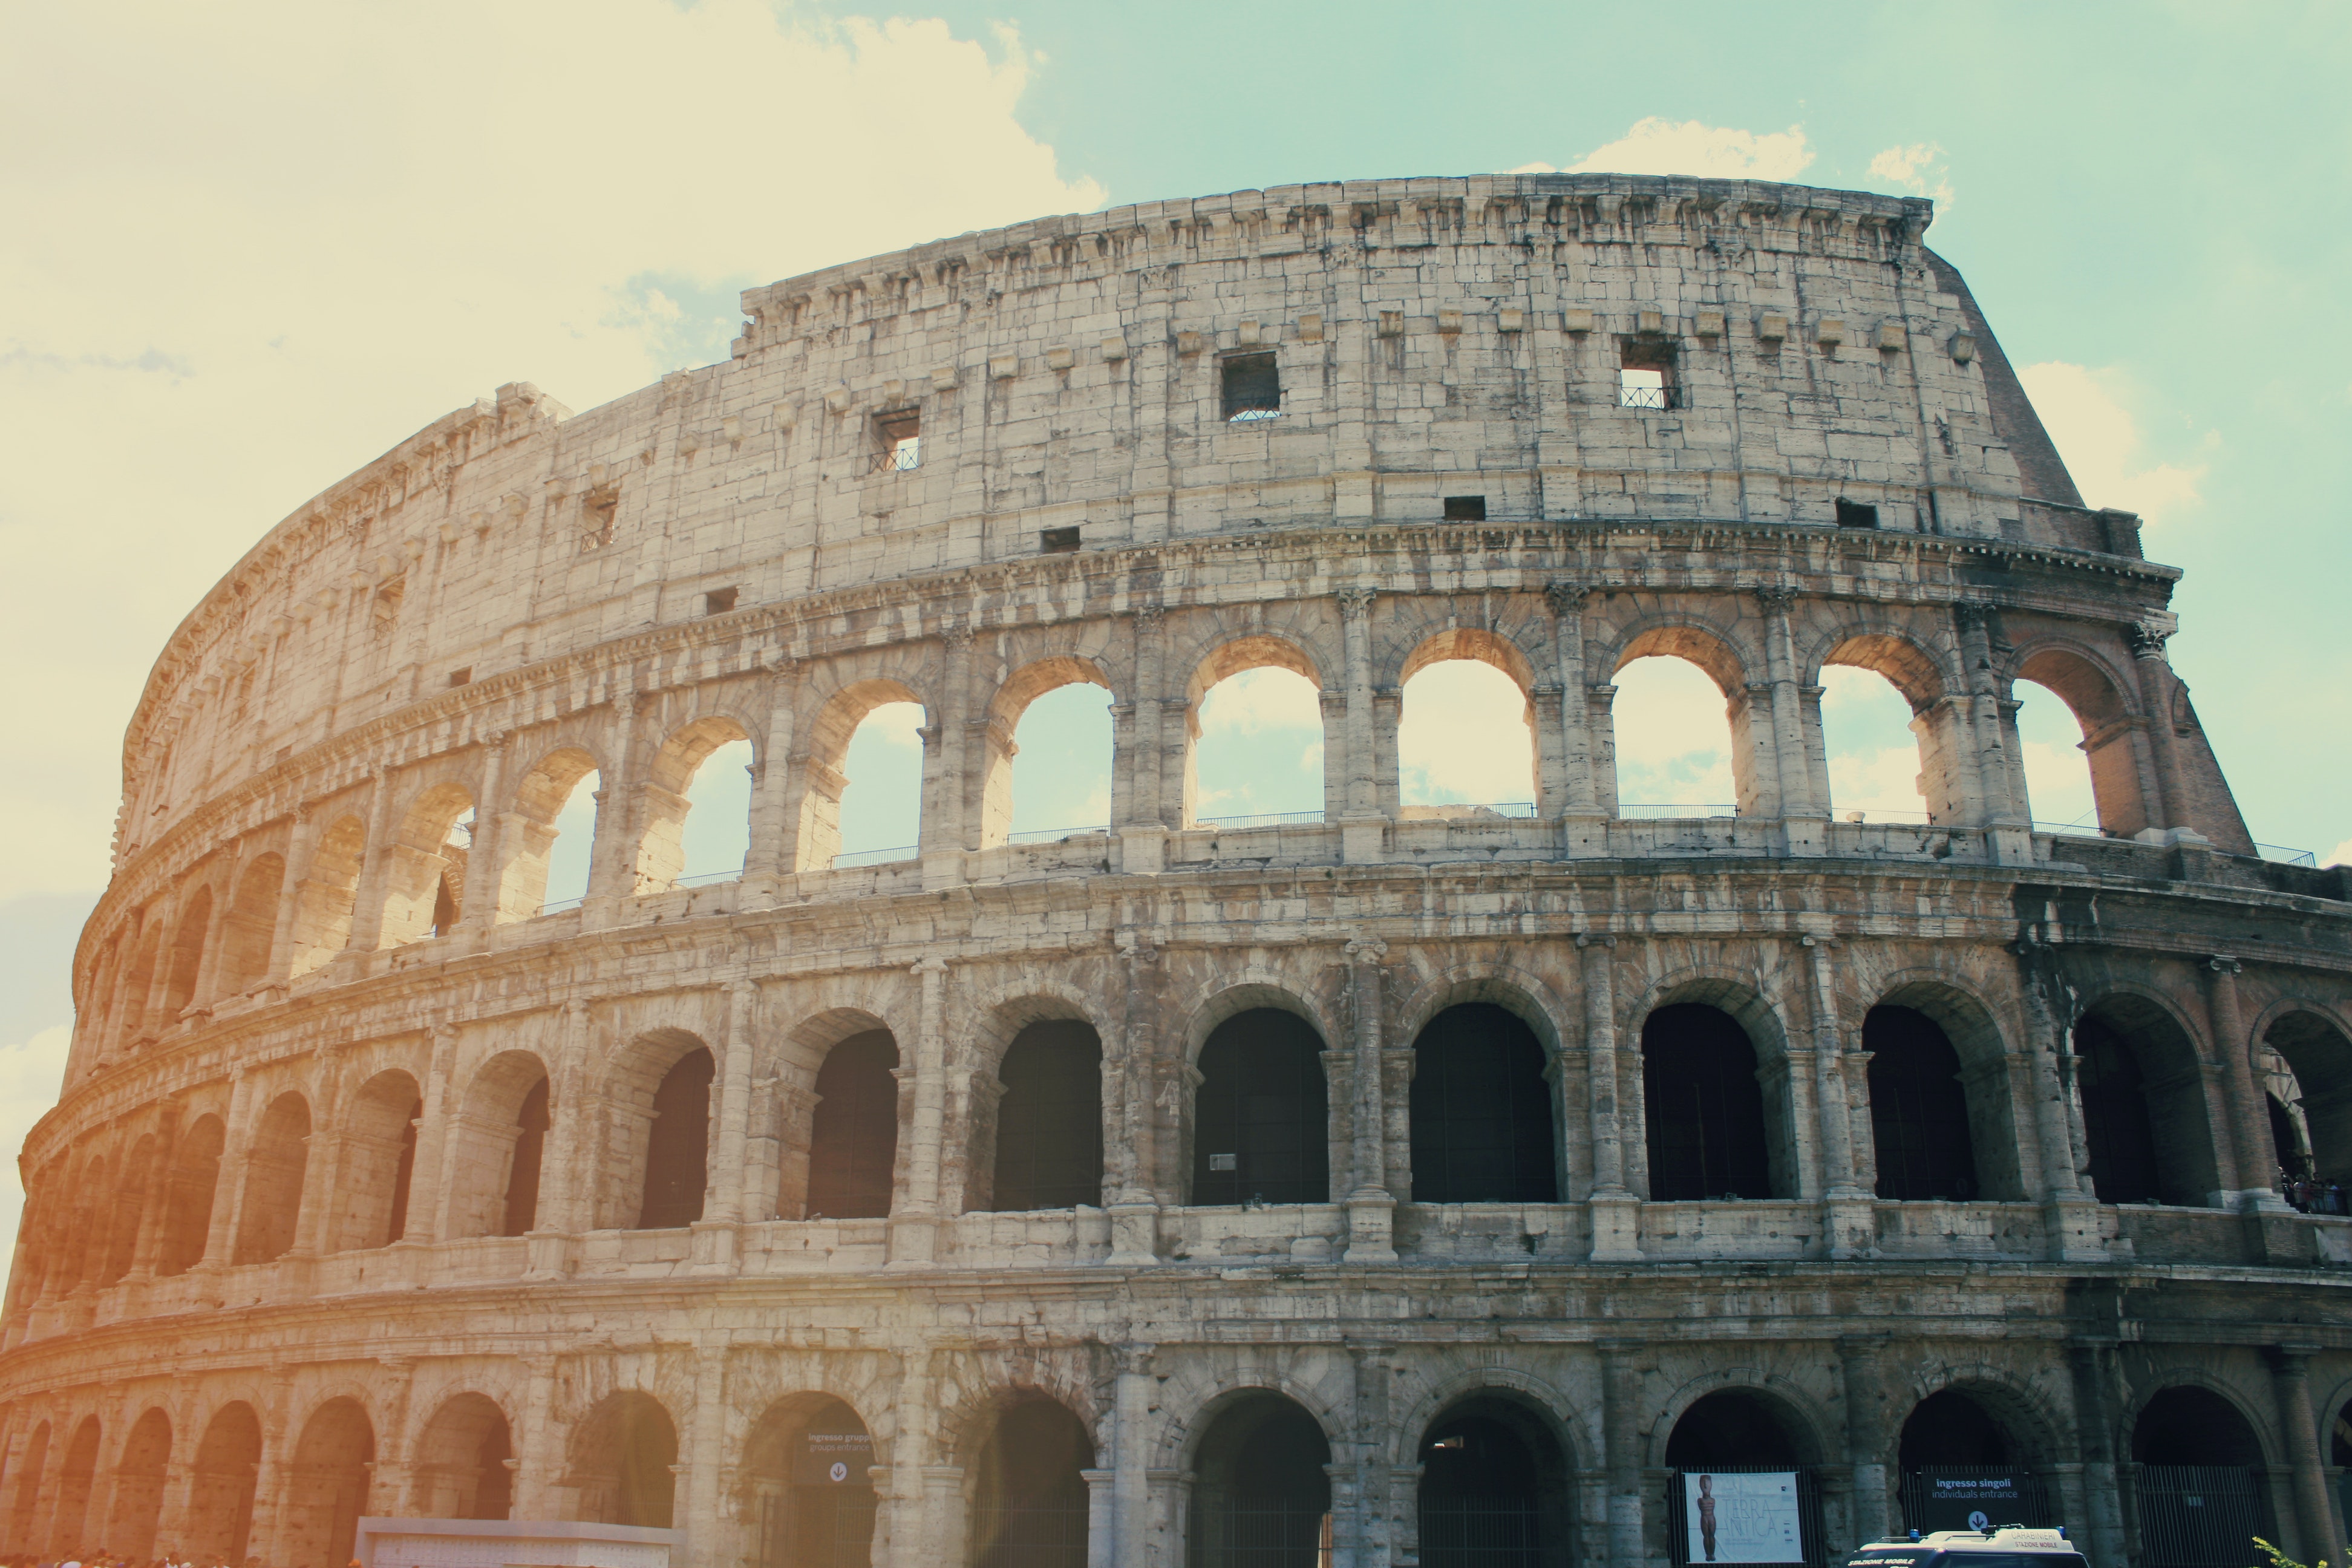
x=461, y=677
x=597, y=515
x=1853, y=514
x=719, y=601
x=1645, y=373
x=1252, y=387
x=1058, y=541
x=900, y=438
x=1465, y=509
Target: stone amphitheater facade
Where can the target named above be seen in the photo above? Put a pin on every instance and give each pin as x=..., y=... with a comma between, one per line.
x=379, y=1188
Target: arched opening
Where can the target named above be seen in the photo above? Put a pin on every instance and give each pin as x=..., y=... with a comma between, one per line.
x=1918, y=1108
x=80, y=1468
x=1875, y=750
x=2078, y=748
x=379, y=1163
x=130, y=1202
x=1741, y=1490
x=1962, y=1469
x=220, y=1502
x=808, y=1485
x=548, y=843
x=1029, y=1496
x=327, y=1485
x=1676, y=749
x=1255, y=738
x=138, y=1488
x=1262, y=1498
x=1483, y=1128
x=465, y=1461
x=501, y=1136
x=425, y=867
x=188, y=1197
x=1261, y=1117
x=327, y=896
x=854, y=1130
x=677, y=1145
x=1702, y=1106
x=2313, y=1092
x=30, y=1475
x=1049, y=1120
x=1494, y=1490
x=2143, y=1099
x=1467, y=728
x=622, y=1459
x=2199, y=1490
x=698, y=807
x=139, y=982
x=1046, y=774
x=872, y=734
x=273, y=1180
x=187, y=956
x=2289, y=1145
x=252, y=924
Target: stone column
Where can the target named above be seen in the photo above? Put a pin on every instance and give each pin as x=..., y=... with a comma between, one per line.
x=389, y=1478
x=433, y=1170
x=1135, y=1201
x=1616, y=1209
x=485, y=861
x=1847, y=1211
x=770, y=859
x=1374, y=1476
x=1862, y=1372
x=157, y=1206
x=726, y=1199
x=207, y=984
x=1100, y=1543
x=1131, y=1455
x=1372, y=1208
x=1805, y=816
x=538, y=1442
x=2314, y=1520
x=2095, y=1441
x=1584, y=816
x=566, y=1188
x=2070, y=1210
x=613, y=869
x=2005, y=812
x=1621, y=1384
x=2169, y=809
x=367, y=911
x=950, y=821
x=1362, y=829
x=2250, y=1126
x=707, y=1534
x=289, y=898
x=229, y=1194
x=914, y=1225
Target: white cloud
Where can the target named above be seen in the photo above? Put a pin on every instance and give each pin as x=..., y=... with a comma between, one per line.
x=1464, y=737
x=1919, y=168
x=1661, y=146
x=1674, y=741
x=2103, y=443
x=259, y=245
x=2339, y=856
x=1260, y=747
x=1259, y=699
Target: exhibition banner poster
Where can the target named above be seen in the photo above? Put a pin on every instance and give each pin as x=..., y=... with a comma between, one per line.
x=1742, y=1517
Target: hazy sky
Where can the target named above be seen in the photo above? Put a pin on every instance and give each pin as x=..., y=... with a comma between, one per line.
x=248, y=248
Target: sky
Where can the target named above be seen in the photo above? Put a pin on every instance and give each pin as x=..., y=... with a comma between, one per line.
x=251, y=246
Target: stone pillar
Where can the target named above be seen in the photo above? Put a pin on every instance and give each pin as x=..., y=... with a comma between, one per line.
x=2095, y=1441
x=539, y=1442
x=1372, y=1208
x=1101, y=1546
x=951, y=818
x=2070, y=1210
x=229, y=1194
x=1374, y=1477
x=613, y=869
x=727, y=1198
x=2250, y=1125
x=2314, y=1520
x=1621, y=1384
x=1145, y=766
x=367, y=909
x=205, y=990
x=1616, y=1209
x=566, y=1181
x=389, y=1478
x=2169, y=809
x=1131, y=1455
x=1862, y=1372
x=289, y=898
x=1852, y=1229
x=2002, y=808
x=1135, y=1200
x=157, y=1206
x=434, y=1168
x=1362, y=829
x=1583, y=807
x=707, y=1534
x=1789, y=768
x=942, y=1516
x=914, y=1223
x=485, y=861
x=770, y=859
x=321, y=1171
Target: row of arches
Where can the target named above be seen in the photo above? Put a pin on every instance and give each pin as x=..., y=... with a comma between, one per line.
x=460, y=847
x=1498, y=1469
x=1712, y=1115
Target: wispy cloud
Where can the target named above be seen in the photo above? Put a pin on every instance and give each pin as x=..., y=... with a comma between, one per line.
x=1919, y=168
x=1660, y=146
x=2103, y=444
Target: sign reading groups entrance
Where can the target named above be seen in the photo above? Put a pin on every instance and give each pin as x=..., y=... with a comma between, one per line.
x=1742, y=1517
x=833, y=1458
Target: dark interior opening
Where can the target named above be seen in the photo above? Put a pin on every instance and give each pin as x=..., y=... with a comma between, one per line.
x=1702, y=1105
x=1918, y=1109
x=1465, y=509
x=1049, y=1122
x=1948, y=1428
x=403, y=1172
x=532, y=1122
x=1494, y=1491
x=2115, y=1120
x=678, y=1148
x=1253, y=386
x=1058, y=541
x=1031, y=1500
x=853, y=1136
x=1855, y=514
x=1262, y=1500
x=719, y=601
x=1482, y=1111
x=1730, y=1429
x=1260, y=1119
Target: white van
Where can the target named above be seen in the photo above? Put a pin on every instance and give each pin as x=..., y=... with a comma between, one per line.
x=2013, y=1547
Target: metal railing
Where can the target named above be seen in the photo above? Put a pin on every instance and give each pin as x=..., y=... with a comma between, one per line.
x=1263, y=819
x=2286, y=857
x=1488, y=1532
x=1650, y=811
x=841, y=862
x=1029, y=1535
x=900, y=457
x=1513, y=808
x=1873, y=814
x=1055, y=835
x=557, y=906
x=704, y=879
x=1654, y=398
x=2078, y=829
x=1227, y=1535
x=2199, y=1516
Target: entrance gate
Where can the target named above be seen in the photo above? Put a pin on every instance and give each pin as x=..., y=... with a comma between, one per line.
x=2199, y=1515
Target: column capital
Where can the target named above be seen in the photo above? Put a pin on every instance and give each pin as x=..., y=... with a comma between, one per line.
x=1149, y=616
x=2222, y=963
x=932, y=964
x=1366, y=950
x=1567, y=598
x=1356, y=603
x=1775, y=598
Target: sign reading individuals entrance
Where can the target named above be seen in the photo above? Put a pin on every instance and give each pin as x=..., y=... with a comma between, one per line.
x=832, y=1459
x=1973, y=1500
x=1742, y=1517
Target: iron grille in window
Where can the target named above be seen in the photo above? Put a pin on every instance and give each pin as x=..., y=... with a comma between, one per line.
x=901, y=442
x=1645, y=374
x=1252, y=387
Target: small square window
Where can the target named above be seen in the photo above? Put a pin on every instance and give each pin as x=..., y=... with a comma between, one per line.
x=719, y=601
x=900, y=438
x=1853, y=514
x=1058, y=541
x=1252, y=387
x=1465, y=509
x=1645, y=374
x=462, y=676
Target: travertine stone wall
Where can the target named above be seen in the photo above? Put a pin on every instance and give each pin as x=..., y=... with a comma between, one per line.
x=264, y=1283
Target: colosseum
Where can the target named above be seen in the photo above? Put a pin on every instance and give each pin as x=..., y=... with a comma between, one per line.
x=1386, y=1184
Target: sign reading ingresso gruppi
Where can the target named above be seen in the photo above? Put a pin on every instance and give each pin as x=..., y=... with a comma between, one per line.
x=832, y=1459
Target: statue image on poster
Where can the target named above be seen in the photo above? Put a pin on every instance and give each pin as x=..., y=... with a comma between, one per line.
x=1742, y=1518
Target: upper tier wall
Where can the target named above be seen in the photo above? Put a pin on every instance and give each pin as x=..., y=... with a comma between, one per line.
x=1433, y=337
